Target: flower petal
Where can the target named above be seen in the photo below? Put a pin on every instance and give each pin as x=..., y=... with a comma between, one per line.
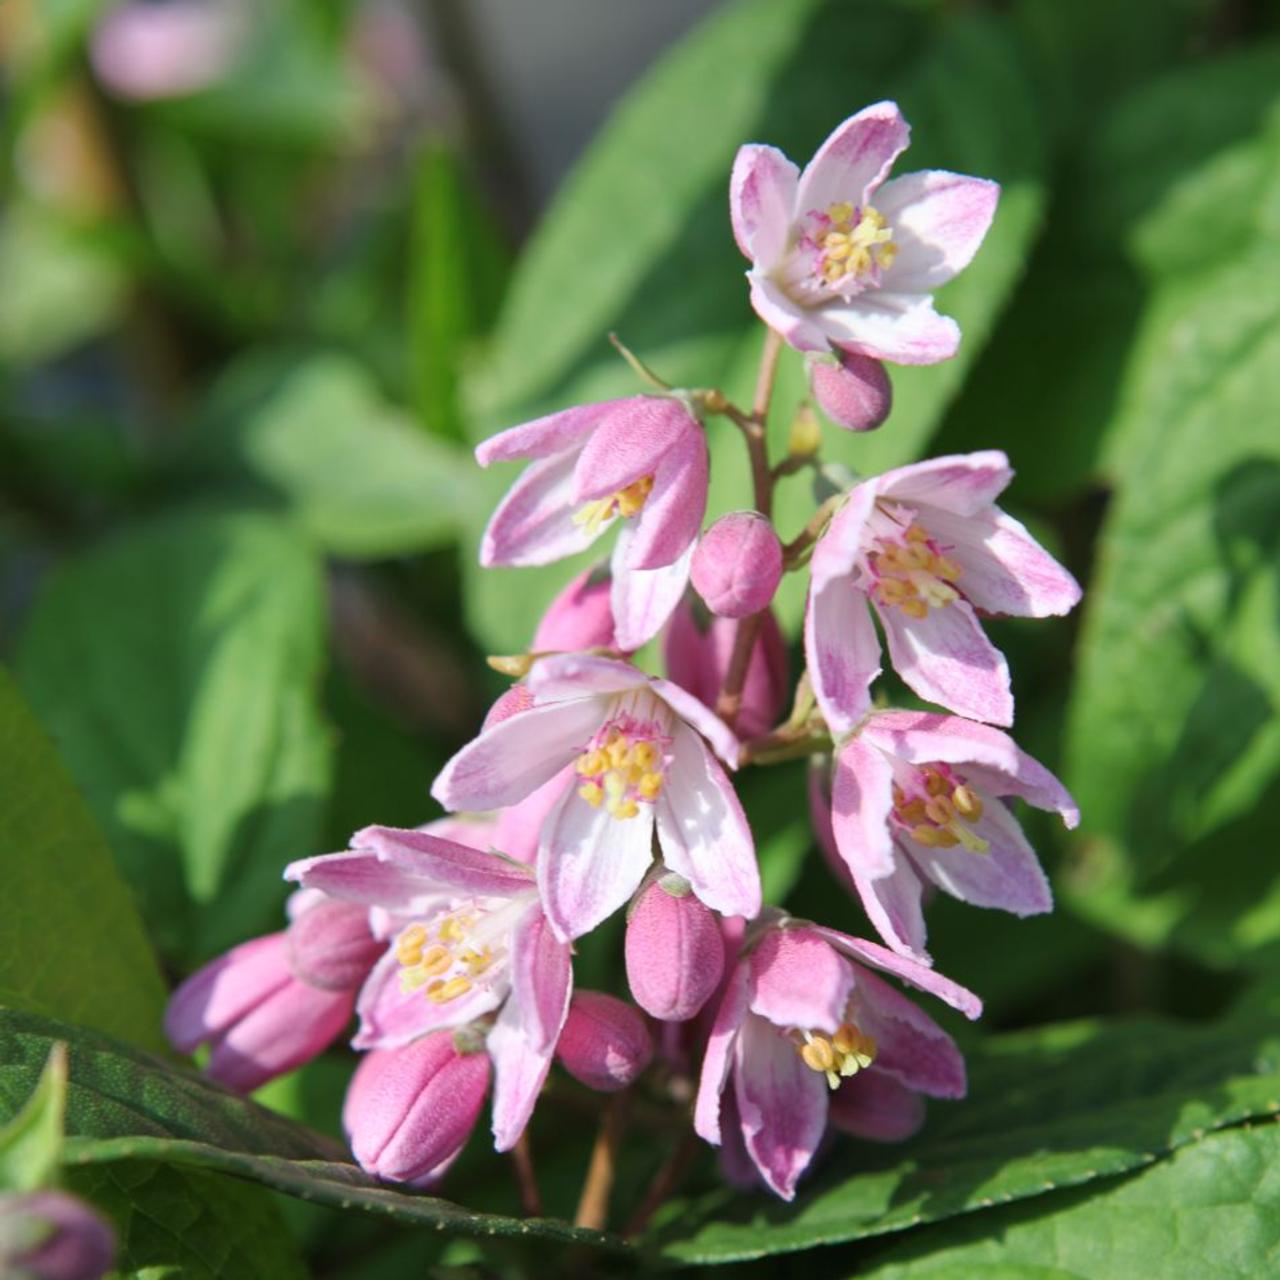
x=841, y=546
x=534, y=523
x=590, y=863
x=519, y=1072
x=514, y=757
x=895, y=905
x=629, y=444
x=782, y=1104
x=900, y=327
x=668, y=524
x=361, y=876
x=946, y=658
x=563, y=677
x=445, y=864
x=963, y=483
x=643, y=599
x=762, y=201
x=854, y=160
x=703, y=833
x=843, y=653
x=861, y=801
x=796, y=325
x=938, y=219
x=718, y=1056
x=541, y=979
x=874, y=1105
x=545, y=436
x=519, y=827
x=799, y=980
x=723, y=740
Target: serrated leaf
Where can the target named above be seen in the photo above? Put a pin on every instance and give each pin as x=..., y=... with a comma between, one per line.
x=125, y=1105
x=669, y=280
x=1046, y=1109
x=31, y=1142
x=178, y=667
x=71, y=942
x=1212, y=1209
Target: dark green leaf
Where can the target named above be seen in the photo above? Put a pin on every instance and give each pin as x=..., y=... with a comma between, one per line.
x=178, y=666
x=71, y=942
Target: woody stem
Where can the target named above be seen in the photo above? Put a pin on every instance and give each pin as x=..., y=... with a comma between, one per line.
x=593, y=1204
x=526, y=1178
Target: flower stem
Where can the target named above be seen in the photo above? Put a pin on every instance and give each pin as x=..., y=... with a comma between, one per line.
x=664, y=1183
x=526, y=1178
x=593, y=1204
x=793, y=551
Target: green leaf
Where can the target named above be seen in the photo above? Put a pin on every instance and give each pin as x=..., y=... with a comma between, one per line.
x=639, y=239
x=129, y=1106
x=1213, y=1209
x=31, y=1142
x=71, y=942
x=178, y=666
x=1046, y=1109
x=1174, y=744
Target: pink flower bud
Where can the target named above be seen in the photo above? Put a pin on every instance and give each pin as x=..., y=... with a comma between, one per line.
x=697, y=650
x=580, y=617
x=331, y=947
x=49, y=1235
x=410, y=1111
x=738, y=564
x=674, y=951
x=260, y=1020
x=605, y=1044
x=853, y=390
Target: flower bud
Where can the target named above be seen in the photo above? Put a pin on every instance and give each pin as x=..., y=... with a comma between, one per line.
x=579, y=618
x=674, y=951
x=409, y=1111
x=853, y=390
x=698, y=649
x=260, y=1020
x=331, y=947
x=605, y=1044
x=738, y=564
x=50, y=1235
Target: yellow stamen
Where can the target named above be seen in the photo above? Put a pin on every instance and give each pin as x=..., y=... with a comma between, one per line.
x=967, y=804
x=442, y=992
x=818, y=1054
x=592, y=793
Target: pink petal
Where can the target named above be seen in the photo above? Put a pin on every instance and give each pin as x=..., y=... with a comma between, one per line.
x=964, y=483
x=361, y=876
x=782, y=1104
x=578, y=618
x=842, y=651
x=718, y=1056
x=519, y=827
x=900, y=327
x=629, y=444
x=445, y=864
x=946, y=658
x=545, y=436
x=874, y=1105
x=519, y=1072
x=1004, y=569
x=643, y=599
x=516, y=756
x=762, y=201
x=854, y=160
x=938, y=219
x=226, y=989
x=534, y=523
x=799, y=980
x=722, y=739
x=589, y=863
x=541, y=979
x=909, y=971
x=861, y=800
x=798, y=326
x=894, y=905
x=567, y=676
x=702, y=831
x=668, y=524
x=840, y=548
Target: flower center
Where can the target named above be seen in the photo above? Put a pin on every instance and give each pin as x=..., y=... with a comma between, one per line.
x=626, y=502
x=839, y=1056
x=624, y=765
x=446, y=957
x=938, y=809
x=854, y=245
x=911, y=574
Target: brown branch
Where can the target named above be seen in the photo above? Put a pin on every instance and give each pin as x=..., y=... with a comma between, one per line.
x=526, y=1178
x=665, y=1181
x=593, y=1204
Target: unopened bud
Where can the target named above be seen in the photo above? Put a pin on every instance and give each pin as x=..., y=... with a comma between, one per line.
x=805, y=436
x=50, y=1235
x=331, y=947
x=854, y=391
x=605, y=1044
x=674, y=951
x=738, y=564
x=579, y=618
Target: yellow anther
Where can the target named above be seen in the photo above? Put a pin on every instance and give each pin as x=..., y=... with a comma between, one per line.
x=842, y=212
x=888, y=251
x=451, y=929
x=435, y=960
x=592, y=793
x=935, y=784
x=967, y=804
x=914, y=608
x=477, y=961
x=946, y=568
x=855, y=1049
x=939, y=810
x=409, y=956
x=817, y=1054
x=413, y=935
x=650, y=785
x=624, y=809
x=912, y=811
x=916, y=534
x=644, y=755
x=591, y=763
x=617, y=751
x=442, y=992
x=934, y=837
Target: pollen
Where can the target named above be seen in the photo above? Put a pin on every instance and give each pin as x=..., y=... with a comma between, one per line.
x=626, y=503
x=441, y=958
x=623, y=767
x=853, y=244
x=939, y=809
x=839, y=1056
x=911, y=574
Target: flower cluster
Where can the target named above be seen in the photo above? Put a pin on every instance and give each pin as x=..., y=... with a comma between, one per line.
x=596, y=786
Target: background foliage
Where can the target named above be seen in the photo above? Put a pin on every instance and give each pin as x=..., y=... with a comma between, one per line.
x=247, y=333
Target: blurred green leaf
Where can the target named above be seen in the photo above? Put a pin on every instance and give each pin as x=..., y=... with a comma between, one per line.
x=131, y=1107
x=1049, y=1108
x=178, y=667
x=71, y=942
x=1175, y=726
x=1212, y=1209
x=31, y=1141
x=638, y=241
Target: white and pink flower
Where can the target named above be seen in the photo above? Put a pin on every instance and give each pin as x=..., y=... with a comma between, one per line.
x=842, y=259
x=926, y=548
x=640, y=765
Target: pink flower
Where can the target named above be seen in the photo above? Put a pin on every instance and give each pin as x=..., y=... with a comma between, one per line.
x=641, y=461
x=697, y=649
x=580, y=617
x=803, y=1018
x=674, y=950
x=605, y=1043
x=409, y=1111
x=926, y=547
x=916, y=802
x=842, y=259
x=273, y=1003
x=738, y=564
x=468, y=941
x=635, y=744
x=50, y=1235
